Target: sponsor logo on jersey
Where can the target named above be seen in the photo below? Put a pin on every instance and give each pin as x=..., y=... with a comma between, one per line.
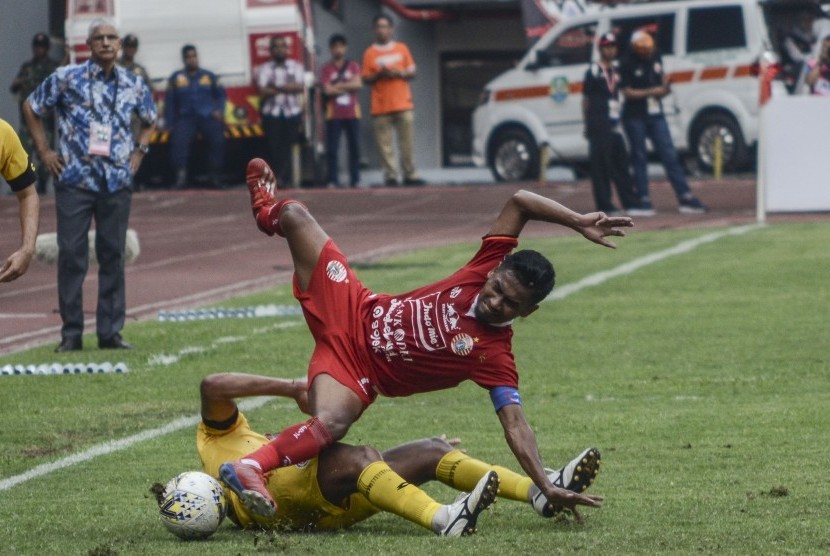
x=455, y=292
x=387, y=335
x=336, y=271
x=461, y=344
x=450, y=317
x=425, y=323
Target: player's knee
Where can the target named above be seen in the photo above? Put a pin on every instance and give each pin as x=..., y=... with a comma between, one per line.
x=366, y=455
x=337, y=428
x=437, y=447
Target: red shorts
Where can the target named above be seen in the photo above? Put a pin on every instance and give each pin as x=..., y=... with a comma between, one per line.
x=333, y=308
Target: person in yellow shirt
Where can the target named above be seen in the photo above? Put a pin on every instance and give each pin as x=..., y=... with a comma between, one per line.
x=19, y=172
x=388, y=67
x=346, y=484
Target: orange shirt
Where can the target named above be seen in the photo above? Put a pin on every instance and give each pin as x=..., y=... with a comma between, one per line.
x=389, y=95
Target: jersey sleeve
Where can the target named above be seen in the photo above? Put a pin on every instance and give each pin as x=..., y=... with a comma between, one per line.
x=492, y=251
x=14, y=162
x=408, y=60
x=498, y=370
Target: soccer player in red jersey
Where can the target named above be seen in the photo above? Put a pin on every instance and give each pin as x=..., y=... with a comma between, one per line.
x=428, y=339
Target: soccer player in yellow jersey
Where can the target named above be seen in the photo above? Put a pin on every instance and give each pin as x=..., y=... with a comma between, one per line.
x=19, y=172
x=346, y=484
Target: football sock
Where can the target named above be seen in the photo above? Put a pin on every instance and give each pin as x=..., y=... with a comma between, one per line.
x=390, y=492
x=293, y=445
x=462, y=472
x=268, y=218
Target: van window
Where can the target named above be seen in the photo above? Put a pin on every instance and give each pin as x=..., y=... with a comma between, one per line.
x=715, y=28
x=661, y=28
x=573, y=46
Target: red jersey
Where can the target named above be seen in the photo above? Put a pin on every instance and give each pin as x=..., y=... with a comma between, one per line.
x=428, y=339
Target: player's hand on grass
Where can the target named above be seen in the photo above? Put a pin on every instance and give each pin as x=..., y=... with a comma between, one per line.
x=570, y=500
x=596, y=226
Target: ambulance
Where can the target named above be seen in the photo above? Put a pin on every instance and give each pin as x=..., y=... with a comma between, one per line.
x=713, y=50
x=232, y=38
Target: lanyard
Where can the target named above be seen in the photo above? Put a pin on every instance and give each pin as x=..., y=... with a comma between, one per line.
x=610, y=78
x=92, y=97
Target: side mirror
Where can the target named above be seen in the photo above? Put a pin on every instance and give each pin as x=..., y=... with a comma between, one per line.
x=538, y=59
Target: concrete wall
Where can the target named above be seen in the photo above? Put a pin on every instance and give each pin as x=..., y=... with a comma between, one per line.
x=19, y=21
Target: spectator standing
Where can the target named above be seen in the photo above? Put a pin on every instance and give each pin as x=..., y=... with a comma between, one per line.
x=388, y=67
x=644, y=84
x=129, y=48
x=281, y=85
x=606, y=146
x=31, y=74
x=94, y=168
x=18, y=170
x=340, y=78
x=818, y=78
x=195, y=103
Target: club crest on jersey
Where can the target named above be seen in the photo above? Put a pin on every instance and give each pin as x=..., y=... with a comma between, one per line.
x=461, y=344
x=336, y=271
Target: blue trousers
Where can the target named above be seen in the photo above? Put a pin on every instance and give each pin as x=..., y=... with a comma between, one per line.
x=184, y=133
x=655, y=128
x=334, y=128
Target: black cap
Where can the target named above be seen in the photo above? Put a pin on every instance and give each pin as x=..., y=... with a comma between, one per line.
x=130, y=40
x=41, y=39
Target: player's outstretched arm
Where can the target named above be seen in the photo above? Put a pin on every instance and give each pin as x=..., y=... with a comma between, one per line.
x=522, y=442
x=219, y=391
x=524, y=206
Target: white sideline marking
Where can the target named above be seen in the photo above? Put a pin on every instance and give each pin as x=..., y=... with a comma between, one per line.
x=184, y=422
x=637, y=264
x=118, y=445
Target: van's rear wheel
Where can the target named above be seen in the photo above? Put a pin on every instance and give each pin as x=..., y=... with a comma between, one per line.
x=707, y=130
x=514, y=156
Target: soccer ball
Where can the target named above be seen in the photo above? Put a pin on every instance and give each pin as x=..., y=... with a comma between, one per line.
x=193, y=505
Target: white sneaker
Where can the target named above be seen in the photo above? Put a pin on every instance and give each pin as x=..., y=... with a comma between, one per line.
x=576, y=476
x=464, y=513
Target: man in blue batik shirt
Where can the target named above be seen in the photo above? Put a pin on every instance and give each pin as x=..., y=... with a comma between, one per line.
x=94, y=168
x=195, y=103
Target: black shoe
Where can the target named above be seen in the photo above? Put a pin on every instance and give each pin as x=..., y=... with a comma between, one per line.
x=390, y=182
x=116, y=342
x=70, y=344
x=414, y=182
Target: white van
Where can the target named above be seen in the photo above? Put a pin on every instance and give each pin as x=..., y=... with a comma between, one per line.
x=712, y=51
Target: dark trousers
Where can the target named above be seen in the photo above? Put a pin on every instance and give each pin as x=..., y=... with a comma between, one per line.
x=609, y=162
x=657, y=130
x=76, y=208
x=334, y=128
x=184, y=133
x=281, y=134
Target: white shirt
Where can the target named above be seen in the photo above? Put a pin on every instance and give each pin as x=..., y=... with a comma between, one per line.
x=270, y=74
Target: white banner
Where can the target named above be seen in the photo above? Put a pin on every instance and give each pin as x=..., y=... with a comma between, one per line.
x=794, y=155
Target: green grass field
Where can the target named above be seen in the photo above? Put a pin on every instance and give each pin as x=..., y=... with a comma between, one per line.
x=702, y=378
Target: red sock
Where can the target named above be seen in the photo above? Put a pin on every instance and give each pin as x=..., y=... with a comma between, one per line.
x=293, y=445
x=269, y=218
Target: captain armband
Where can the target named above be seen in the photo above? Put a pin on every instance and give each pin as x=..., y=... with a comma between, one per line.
x=504, y=395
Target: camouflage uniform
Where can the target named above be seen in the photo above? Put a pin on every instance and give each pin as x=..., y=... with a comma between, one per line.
x=32, y=74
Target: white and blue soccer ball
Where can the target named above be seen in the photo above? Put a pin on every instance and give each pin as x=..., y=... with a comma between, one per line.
x=193, y=505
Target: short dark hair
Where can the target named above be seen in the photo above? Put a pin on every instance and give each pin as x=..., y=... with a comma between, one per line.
x=337, y=39
x=383, y=16
x=187, y=48
x=533, y=270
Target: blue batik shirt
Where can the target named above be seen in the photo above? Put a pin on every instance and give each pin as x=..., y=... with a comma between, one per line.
x=81, y=94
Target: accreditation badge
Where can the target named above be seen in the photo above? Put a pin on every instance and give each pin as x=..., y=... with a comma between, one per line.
x=613, y=109
x=100, y=138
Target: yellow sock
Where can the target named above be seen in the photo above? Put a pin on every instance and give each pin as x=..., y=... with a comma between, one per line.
x=388, y=491
x=462, y=472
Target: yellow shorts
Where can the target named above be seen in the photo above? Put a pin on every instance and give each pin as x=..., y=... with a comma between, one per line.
x=300, y=504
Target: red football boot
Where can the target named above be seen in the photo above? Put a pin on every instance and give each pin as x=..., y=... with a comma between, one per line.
x=262, y=185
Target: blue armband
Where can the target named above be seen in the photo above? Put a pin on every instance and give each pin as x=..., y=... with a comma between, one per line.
x=504, y=395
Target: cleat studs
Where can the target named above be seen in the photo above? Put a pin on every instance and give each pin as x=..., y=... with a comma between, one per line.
x=584, y=460
x=576, y=478
x=584, y=487
x=579, y=469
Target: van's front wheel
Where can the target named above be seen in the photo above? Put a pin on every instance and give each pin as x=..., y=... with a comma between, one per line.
x=706, y=131
x=514, y=156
